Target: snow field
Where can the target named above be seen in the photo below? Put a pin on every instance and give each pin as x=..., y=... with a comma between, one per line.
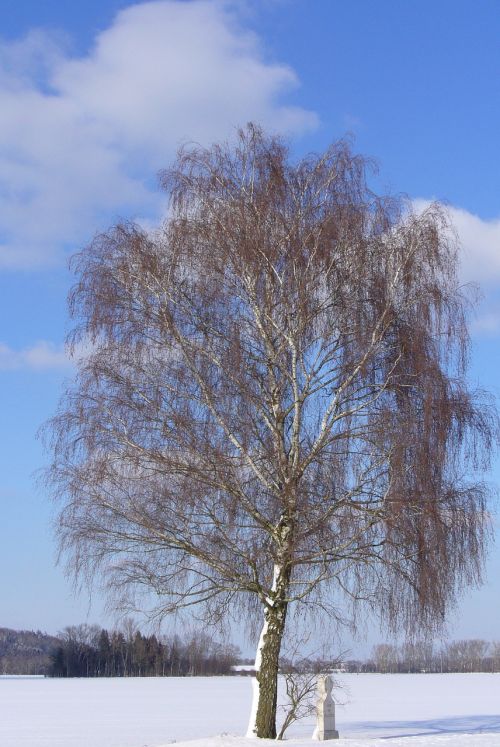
x=426, y=710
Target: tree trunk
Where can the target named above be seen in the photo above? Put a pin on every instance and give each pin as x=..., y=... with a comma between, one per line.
x=263, y=717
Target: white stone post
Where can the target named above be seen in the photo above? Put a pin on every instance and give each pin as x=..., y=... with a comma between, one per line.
x=325, y=711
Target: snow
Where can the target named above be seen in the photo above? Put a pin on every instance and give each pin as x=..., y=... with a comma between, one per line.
x=426, y=710
x=243, y=668
x=252, y=726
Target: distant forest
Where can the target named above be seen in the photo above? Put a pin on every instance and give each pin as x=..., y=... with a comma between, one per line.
x=26, y=651
x=91, y=651
x=471, y=655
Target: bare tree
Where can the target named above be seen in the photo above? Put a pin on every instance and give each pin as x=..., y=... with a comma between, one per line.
x=386, y=657
x=495, y=656
x=418, y=656
x=274, y=409
x=301, y=689
x=466, y=655
x=300, y=677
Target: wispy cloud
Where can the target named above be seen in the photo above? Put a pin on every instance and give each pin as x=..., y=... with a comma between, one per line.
x=81, y=138
x=42, y=356
x=479, y=242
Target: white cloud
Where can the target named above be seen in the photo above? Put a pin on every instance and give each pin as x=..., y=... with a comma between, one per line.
x=82, y=138
x=480, y=244
x=42, y=356
x=480, y=240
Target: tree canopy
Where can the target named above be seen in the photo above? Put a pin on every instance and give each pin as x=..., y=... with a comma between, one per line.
x=273, y=406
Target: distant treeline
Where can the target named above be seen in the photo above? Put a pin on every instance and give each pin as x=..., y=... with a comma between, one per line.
x=471, y=655
x=86, y=651
x=91, y=651
x=25, y=651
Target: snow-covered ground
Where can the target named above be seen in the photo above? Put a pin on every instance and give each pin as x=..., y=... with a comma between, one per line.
x=392, y=710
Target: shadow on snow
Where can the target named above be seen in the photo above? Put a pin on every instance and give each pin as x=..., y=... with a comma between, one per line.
x=454, y=724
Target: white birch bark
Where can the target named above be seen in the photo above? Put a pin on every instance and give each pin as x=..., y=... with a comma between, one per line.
x=252, y=725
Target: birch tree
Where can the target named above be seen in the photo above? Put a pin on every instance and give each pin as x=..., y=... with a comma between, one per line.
x=273, y=412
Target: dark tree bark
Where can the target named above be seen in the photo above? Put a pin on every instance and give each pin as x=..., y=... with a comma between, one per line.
x=267, y=674
x=272, y=406
x=263, y=718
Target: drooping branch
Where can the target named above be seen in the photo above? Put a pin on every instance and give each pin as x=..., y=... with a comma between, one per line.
x=274, y=404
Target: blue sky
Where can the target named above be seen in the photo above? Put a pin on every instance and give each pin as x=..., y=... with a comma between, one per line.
x=95, y=97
